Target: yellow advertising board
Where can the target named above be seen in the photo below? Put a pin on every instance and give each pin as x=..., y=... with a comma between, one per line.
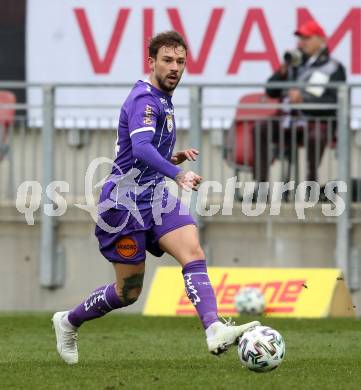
x=289, y=292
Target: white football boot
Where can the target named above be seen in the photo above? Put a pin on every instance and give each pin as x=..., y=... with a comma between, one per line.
x=221, y=336
x=66, y=338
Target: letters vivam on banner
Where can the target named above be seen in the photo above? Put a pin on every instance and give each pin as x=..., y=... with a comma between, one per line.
x=289, y=292
x=85, y=41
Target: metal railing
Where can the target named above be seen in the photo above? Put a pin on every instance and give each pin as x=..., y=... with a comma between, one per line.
x=48, y=142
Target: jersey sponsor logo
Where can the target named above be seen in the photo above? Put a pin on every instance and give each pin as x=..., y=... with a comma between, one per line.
x=170, y=124
x=148, y=110
x=147, y=120
x=148, y=115
x=127, y=247
x=163, y=101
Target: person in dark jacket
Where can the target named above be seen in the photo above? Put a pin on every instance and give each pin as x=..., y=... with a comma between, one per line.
x=310, y=63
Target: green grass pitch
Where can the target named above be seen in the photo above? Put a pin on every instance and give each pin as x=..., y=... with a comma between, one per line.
x=135, y=352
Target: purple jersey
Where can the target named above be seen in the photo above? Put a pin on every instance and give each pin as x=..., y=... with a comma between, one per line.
x=145, y=140
x=131, y=207
x=146, y=109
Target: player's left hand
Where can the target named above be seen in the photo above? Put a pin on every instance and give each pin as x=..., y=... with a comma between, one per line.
x=183, y=155
x=188, y=180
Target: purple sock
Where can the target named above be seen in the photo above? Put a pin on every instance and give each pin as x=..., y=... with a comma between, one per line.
x=200, y=292
x=100, y=302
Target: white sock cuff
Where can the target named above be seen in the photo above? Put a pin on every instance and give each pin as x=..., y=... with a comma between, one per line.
x=210, y=330
x=66, y=323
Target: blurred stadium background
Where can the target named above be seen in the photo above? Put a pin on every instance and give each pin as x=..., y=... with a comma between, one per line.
x=68, y=66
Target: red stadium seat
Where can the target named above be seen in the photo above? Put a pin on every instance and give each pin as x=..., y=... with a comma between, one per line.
x=7, y=115
x=243, y=154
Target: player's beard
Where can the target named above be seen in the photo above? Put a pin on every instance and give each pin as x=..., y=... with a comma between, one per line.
x=163, y=86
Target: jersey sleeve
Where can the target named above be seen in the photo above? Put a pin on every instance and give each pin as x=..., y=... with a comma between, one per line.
x=142, y=123
x=143, y=115
x=146, y=152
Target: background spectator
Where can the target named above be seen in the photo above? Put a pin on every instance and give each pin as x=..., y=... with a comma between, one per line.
x=310, y=63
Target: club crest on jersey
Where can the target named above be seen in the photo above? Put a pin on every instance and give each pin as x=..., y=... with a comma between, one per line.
x=170, y=122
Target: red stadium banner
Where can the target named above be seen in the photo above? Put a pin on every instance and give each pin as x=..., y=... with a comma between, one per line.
x=232, y=41
x=229, y=41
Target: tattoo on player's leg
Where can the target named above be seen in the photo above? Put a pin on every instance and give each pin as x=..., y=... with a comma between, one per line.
x=130, y=290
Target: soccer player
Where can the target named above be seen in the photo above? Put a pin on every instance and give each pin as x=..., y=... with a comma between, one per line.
x=131, y=204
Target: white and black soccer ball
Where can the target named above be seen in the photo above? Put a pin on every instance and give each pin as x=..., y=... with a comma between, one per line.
x=249, y=300
x=261, y=349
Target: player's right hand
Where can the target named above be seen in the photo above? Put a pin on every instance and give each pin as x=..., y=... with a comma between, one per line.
x=188, y=180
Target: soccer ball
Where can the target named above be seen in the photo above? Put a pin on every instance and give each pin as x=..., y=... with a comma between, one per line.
x=249, y=301
x=261, y=349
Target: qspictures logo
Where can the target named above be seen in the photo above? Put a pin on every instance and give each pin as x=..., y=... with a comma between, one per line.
x=128, y=189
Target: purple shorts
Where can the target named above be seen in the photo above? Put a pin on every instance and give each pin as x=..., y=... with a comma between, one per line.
x=134, y=238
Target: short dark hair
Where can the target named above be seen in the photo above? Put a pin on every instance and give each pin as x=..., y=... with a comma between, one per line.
x=166, y=38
